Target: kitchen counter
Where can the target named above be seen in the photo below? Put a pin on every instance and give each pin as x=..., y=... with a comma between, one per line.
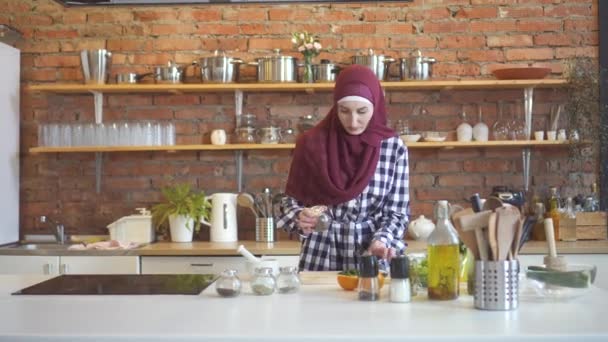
x=317, y=312
x=281, y=248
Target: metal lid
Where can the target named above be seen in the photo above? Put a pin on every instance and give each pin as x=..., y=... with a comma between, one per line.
x=400, y=267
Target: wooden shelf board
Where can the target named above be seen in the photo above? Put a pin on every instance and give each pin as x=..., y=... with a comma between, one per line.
x=63, y=88
x=174, y=148
x=240, y=147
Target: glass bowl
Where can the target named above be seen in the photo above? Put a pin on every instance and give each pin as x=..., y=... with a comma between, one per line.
x=434, y=136
x=539, y=284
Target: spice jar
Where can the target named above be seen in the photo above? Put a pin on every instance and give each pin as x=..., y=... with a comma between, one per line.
x=288, y=280
x=399, y=291
x=263, y=282
x=228, y=284
x=369, y=289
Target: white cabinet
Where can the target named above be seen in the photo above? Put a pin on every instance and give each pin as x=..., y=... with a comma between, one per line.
x=35, y=264
x=204, y=264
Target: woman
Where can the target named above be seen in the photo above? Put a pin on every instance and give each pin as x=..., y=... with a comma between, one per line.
x=357, y=167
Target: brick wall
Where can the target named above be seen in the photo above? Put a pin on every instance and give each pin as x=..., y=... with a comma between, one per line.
x=469, y=38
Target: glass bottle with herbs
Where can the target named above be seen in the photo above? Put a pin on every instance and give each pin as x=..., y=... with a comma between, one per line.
x=444, y=257
x=553, y=206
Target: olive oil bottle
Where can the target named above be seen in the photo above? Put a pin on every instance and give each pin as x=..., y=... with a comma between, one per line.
x=444, y=257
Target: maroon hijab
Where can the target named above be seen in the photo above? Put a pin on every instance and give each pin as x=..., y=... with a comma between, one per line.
x=331, y=166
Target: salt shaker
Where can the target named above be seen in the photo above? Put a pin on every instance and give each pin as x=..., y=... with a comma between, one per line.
x=400, y=291
x=263, y=282
x=228, y=284
x=288, y=280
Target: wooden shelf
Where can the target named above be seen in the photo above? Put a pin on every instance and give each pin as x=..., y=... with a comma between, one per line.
x=241, y=147
x=288, y=87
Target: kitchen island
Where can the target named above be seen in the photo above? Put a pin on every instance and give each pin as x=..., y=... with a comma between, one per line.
x=317, y=312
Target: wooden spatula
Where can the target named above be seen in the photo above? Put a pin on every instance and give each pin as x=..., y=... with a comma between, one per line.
x=507, y=222
x=467, y=237
x=492, y=237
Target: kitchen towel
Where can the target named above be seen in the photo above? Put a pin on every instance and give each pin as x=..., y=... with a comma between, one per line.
x=106, y=245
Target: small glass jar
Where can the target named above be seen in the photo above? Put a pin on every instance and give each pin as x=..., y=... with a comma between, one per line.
x=263, y=282
x=228, y=284
x=288, y=280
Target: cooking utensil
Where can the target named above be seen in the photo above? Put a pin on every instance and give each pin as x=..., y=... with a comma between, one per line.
x=276, y=68
x=416, y=66
x=507, y=223
x=467, y=236
x=377, y=63
x=219, y=68
x=172, y=73
x=246, y=200
x=248, y=255
x=492, y=237
x=95, y=65
x=527, y=73
x=130, y=77
x=325, y=72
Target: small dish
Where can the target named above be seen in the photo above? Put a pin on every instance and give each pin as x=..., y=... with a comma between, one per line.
x=539, y=284
x=410, y=137
x=526, y=73
x=434, y=136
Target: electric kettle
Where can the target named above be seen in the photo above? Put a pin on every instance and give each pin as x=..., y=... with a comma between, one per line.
x=223, y=217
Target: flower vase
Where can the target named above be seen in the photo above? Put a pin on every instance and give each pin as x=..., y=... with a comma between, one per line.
x=307, y=77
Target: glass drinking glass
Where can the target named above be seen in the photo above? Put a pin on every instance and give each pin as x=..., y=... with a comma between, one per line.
x=517, y=127
x=168, y=134
x=113, y=134
x=500, y=129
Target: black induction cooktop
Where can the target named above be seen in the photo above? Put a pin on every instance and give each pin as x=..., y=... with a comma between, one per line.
x=121, y=284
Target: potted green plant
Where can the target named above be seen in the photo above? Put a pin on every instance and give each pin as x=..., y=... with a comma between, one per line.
x=184, y=209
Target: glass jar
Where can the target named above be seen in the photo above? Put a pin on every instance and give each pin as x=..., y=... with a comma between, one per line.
x=263, y=282
x=288, y=280
x=269, y=135
x=306, y=122
x=228, y=284
x=245, y=135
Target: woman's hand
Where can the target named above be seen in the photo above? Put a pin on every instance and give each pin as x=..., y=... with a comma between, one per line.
x=379, y=249
x=307, y=220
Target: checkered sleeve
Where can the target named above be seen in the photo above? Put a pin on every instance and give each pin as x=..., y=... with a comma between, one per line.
x=290, y=208
x=396, y=208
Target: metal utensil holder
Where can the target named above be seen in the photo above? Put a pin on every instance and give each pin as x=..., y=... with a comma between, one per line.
x=497, y=285
x=264, y=229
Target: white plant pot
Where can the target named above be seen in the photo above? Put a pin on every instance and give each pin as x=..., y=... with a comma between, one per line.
x=181, y=228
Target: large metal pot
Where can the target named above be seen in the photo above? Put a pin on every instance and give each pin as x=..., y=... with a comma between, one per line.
x=378, y=63
x=325, y=72
x=416, y=66
x=276, y=68
x=219, y=68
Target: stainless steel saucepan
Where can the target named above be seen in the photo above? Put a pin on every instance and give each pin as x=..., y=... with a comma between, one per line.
x=172, y=73
x=276, y=68
x=416, y=66
x=219, y=68
x=378, y=63
x=130, y=77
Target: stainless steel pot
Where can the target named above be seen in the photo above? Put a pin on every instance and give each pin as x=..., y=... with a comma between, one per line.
x=172, y=73
x=325, y=72
x=130, y=77
x=416, y=66
x=378, y=63
x=276, y=68
x=219, y=68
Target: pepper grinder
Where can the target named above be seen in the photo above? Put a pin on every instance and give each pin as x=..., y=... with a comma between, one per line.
x=369, y=289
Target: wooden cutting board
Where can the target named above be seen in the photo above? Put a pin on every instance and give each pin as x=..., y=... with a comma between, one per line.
x=319, y=277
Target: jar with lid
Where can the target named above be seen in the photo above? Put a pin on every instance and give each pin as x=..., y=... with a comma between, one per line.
x=288, y=280
x=245, y=133
x=263, y=282
x=400, y=291
x=228, y=284
x=269, y=135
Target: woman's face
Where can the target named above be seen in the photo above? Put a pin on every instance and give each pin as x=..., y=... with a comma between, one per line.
x=355, y=116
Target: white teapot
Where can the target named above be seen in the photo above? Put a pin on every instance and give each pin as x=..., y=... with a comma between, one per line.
x=421, y=228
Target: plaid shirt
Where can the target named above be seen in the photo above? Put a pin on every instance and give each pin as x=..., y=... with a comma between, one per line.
x=380, y=212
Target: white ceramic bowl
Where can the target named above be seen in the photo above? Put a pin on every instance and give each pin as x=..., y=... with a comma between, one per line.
x=410, y=137
x=434, y=136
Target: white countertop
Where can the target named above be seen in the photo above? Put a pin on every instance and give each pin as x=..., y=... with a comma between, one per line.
x=318, y=312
